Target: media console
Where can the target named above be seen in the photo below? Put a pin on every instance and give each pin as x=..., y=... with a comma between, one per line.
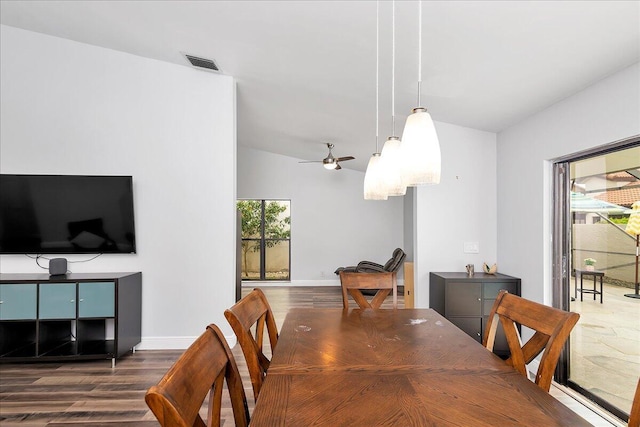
x=69, y=317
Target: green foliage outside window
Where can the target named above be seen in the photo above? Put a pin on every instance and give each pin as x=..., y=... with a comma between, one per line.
x=623, y=220
x=276, y=226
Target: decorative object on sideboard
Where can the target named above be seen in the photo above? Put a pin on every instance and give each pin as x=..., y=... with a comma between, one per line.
x=489, y=270
x=470, y=269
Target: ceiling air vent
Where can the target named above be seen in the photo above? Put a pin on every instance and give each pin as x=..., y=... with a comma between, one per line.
x=207, y=64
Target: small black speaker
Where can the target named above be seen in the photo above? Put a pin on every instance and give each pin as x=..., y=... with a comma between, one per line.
x=57, y=266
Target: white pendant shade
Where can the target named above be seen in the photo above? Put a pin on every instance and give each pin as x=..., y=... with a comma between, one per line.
x=374, y=188
x=420, y=150
x=392, y=166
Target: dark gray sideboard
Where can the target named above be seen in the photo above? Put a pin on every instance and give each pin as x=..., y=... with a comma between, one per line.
x=466, y=301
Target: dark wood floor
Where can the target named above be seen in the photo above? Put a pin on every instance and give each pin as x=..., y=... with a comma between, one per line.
x=94, y=394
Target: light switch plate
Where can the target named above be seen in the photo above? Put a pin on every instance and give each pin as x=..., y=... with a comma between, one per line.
x=471, y=247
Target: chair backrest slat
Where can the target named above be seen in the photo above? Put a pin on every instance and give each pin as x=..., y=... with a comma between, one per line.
x=634, y=416
x=551, y=325
x=530, y=313
x=176, y=400
x=352, y=283
x=254, y=311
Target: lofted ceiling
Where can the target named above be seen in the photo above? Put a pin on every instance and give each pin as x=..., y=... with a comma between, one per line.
x=306, y=70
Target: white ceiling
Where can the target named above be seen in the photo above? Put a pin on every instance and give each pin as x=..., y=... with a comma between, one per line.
x=305, y=70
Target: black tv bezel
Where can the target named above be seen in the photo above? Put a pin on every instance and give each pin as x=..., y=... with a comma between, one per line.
x=81, y=252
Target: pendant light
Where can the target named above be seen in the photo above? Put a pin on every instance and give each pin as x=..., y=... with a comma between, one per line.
x=420, y=145
x=391, y=151
x=373, y=184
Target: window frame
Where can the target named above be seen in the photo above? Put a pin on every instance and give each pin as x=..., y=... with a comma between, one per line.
x=263, y=245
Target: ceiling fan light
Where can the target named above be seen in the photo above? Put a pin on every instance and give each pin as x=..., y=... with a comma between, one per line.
x=391, y=167
x=420, y=150
x=329, y=164
x=374, y=188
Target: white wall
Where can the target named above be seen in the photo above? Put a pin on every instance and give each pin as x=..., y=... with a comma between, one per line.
x=605, y=112
x=331, y=223
x=71, y=108
x=409, y=232
x=462, y=208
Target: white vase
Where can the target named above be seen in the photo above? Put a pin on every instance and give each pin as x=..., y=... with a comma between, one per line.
x=589, y=267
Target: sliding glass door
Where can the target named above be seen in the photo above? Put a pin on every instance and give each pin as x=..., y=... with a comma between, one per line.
x=593, y=195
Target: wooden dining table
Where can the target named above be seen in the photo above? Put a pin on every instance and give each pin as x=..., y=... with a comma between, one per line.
x=405, y=367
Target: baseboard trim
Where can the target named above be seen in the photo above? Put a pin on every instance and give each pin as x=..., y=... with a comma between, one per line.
x=174, y=343
x=301, y=283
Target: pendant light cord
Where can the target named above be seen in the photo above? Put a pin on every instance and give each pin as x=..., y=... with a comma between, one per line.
x=393, y=68
x=419, y=49
x=377, y=71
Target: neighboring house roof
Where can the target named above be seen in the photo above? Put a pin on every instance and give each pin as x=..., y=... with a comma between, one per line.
x=623, y=196
x=621, y=176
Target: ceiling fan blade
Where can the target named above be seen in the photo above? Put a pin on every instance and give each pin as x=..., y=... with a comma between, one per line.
x=343, y=159
x=310, y=161
x=338, y=167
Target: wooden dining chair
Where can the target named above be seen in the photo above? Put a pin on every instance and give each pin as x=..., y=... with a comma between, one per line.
x=176, y=400
x=551, y=325
x=353, y=283
x=634, y=416
x=253, y=311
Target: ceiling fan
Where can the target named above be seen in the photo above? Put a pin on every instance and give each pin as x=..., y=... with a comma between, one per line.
x=330, y=162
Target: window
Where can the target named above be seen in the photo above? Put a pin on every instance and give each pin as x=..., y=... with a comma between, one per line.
x=266, y=238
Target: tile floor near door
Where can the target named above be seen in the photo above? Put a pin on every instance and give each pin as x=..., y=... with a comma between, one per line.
x=605, y=344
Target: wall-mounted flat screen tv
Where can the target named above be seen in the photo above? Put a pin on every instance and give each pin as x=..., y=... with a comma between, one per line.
x=66, y=214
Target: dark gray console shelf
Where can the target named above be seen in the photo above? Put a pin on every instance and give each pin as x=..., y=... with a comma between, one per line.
x=69, y=317
x=467, y=301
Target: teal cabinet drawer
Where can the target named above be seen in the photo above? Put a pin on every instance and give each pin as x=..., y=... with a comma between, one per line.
x=57, y=301
x=18, y=302
x=96, y=299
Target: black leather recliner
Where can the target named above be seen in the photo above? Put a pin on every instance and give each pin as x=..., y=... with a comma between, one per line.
x=390, y=266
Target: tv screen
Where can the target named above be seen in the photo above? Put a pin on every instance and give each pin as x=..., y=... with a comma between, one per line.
x=66, y=214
